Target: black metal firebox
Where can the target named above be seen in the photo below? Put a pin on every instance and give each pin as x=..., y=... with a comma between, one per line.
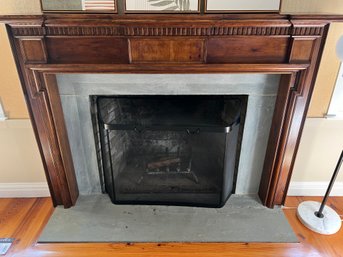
x=173, y=150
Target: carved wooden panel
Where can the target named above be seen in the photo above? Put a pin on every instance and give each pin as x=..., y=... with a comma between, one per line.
x=297, y=108
x=87, y=50
x=182, y=29
x=33, y=50
x=252, y=50
x=302, y=49
x=57, y=116
x=308, y=28
x=60, y=174
x=275, y=140
x=167, y=50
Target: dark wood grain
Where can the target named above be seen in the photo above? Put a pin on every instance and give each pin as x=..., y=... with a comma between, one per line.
x=39, y=106
x=166, y=68
x=87, y=50
x=272, y=159
x=241, y=50
x=62, y=136
x=302, y=50
x=176, y=50
x=33, y=50
x=298, y=107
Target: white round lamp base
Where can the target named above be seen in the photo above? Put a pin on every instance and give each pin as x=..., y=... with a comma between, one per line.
x=328, y=225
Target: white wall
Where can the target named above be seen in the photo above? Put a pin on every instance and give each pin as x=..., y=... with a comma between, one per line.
x=312, y=7
x=21, y=169
x=319, y=150
x=20, y=7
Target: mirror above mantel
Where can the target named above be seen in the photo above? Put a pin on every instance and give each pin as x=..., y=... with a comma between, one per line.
x=161, y=6
x=287, y=7
x=215, y=6
x=79, y=6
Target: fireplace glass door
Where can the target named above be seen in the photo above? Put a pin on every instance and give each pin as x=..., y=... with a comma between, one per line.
x=173, y=150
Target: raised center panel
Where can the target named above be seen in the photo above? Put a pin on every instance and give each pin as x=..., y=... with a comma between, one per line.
x=167, y=50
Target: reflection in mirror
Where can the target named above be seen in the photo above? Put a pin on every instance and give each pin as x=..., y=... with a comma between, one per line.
x=242, y=5
x=79, y=5
x=166, y=6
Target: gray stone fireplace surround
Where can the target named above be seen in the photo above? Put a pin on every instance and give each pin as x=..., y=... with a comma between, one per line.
x=76, y=89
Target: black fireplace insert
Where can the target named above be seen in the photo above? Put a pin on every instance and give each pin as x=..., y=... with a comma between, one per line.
x=170, y=150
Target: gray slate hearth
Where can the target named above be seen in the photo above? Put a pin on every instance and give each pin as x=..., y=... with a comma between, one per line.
x=95, y=219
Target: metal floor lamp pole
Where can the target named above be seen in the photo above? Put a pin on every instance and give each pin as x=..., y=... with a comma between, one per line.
x=324, y=221
x=319, y=213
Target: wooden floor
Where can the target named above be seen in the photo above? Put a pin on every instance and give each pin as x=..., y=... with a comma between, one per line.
x=24, y=219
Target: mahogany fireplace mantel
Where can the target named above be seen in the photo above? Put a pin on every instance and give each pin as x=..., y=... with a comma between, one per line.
x=46, y=45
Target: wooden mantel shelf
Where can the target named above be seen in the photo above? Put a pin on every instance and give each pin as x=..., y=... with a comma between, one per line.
x=45, y=45
x=168, y=68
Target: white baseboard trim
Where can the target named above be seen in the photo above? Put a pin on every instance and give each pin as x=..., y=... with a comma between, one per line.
x=42, y=189
x=314, y=189
x=12, y=190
